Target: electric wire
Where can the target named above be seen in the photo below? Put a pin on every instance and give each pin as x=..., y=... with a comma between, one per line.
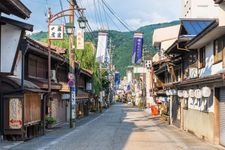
x=97, y=18
x=61, y=6
x=104, y=12
x=111, y=19
x=116, y=16
x=100, y=14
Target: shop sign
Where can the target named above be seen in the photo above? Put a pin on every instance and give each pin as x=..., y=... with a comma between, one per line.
x=65, y=96
x=15, y=113
x=56, y=32
x=206, y=91
x=185, y=94
x=180, y=93
x=88, y=86
x=198, y=93
x=191, y=93
x=80, y=39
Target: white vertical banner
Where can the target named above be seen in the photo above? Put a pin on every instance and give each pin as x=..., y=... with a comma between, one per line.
x=80, y=39
x=101, y=47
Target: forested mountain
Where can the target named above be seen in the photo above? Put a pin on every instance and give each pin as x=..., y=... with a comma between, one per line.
x=122, y=43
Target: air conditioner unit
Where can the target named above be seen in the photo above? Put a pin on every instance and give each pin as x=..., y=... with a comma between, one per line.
x=193, y=73
x=53, y=76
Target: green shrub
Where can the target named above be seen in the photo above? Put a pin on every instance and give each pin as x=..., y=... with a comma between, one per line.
x=50, y=120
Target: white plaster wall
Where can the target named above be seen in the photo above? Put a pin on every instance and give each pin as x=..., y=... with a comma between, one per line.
x=200, y=9
x=18, y=66
x=210, y=68
x=222, y=14
x=129, y=76
x=156, y=57
x=162, y=34
x=166, y=44
x=200, y=104
x=148, y=84
x=201, y=124
x=10, y=36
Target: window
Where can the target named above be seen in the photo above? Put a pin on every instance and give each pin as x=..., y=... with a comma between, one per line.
x=193, y=58
x=37, y=67
x=218, y=49
x=202, y=57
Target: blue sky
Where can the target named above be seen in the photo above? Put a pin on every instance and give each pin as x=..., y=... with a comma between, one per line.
x=135, y=13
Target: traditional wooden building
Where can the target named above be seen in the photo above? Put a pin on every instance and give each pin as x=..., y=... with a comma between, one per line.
x=20, y=99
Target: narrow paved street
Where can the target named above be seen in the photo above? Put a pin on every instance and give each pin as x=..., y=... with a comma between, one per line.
x=120, y=127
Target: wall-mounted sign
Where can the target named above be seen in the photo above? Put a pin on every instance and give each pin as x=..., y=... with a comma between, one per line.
x=15, y=113
x=206, y=91
x=56, y=32
x=80, y=39
x=65, y=96
x=191, y=93
x=88, y=86
x=180, y=93
x=185, y=94
x=198, y=93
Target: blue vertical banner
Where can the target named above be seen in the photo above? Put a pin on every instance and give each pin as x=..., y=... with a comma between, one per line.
x=117, y=80
x=137, y=48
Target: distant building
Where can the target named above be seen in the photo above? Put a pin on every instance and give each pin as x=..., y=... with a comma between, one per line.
x=199, y=9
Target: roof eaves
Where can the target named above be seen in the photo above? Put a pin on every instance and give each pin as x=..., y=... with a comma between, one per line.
x=213, y=25
x=22, y=10
x=19, y=24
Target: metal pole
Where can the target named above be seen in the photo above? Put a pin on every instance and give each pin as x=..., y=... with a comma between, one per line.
x=49, y=54
x=72, y=67
x=49, y=70
x=171, y=109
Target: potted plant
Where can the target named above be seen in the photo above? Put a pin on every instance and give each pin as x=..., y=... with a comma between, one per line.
x=50, y=121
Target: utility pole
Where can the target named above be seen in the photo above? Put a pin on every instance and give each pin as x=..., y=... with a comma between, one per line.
x=72, y=68
x=110, y=71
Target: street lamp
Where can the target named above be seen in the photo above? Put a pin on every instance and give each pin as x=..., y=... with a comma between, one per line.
x=82, y=22
x=69, y=28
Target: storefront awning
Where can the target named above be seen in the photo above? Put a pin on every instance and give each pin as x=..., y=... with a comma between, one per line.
x=10, y=84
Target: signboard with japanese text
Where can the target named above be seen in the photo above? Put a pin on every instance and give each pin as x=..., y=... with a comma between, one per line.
x=73, y=97
x=80, y=39
x=15, y=113
x=137, y=48
x=56, y=32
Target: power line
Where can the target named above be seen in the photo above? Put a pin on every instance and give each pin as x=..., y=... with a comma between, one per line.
x=97, y=14
x=100, y=13
x=116, y=16
x=60, y=1
x=106, y=19
x=111, y=19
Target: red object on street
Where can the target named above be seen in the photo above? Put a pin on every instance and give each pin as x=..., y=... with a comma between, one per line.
x=154, y=110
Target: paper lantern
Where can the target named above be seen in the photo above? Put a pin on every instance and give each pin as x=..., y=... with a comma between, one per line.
x=180, y=93
x=198, y=93
x=206, y=91
x=191, y=93
x=185, y=94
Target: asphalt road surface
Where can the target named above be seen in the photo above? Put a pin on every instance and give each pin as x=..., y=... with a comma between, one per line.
x=121, y=127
